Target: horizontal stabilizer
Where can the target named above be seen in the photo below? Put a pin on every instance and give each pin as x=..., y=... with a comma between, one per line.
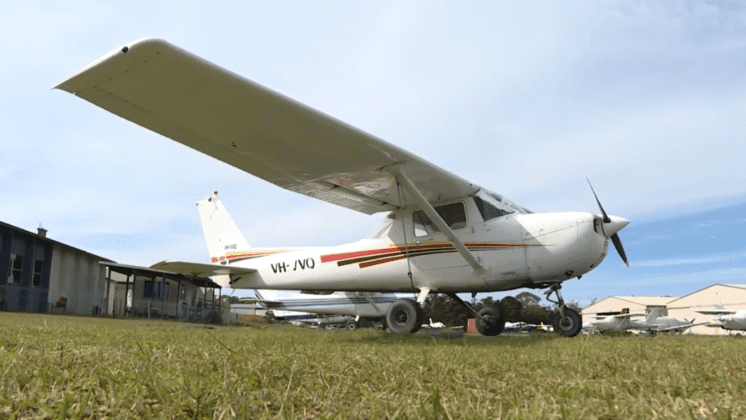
x=200, y=269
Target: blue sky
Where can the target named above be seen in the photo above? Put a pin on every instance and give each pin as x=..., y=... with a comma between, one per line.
x=645, y=98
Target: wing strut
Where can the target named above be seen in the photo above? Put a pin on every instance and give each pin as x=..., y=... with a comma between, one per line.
x=425, y=205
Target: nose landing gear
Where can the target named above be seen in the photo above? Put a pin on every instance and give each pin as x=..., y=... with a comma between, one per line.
x=568, y=322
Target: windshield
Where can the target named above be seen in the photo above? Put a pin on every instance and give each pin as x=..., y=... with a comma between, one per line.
x=381, y=229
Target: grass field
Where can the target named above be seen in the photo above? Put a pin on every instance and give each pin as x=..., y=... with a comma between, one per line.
x=60, y=366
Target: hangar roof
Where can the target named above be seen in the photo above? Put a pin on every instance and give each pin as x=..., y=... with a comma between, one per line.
x=48, y=239
x=128, y=270
x=618, y=302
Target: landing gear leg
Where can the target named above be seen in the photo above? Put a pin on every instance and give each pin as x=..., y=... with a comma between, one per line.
x=567, y=322
x=488, y=321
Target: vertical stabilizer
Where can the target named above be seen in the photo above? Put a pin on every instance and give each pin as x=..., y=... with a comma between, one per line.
x=655, y=313
x=222, y=234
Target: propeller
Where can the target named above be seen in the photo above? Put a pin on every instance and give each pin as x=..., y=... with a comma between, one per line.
x=612, y=225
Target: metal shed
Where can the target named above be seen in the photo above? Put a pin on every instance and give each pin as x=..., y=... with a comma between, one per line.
x=135, y=291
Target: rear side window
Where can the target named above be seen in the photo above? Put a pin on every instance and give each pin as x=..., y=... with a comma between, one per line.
x=453, y=214
x=487, y=210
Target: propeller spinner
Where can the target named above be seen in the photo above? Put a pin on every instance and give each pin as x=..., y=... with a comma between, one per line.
x=612, y=225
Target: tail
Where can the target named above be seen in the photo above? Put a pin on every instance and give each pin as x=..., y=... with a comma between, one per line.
x=222, y=235
x=654, y=314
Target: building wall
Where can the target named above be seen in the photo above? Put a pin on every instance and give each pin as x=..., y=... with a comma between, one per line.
x=80, y=278
x=25, y=261
x=731, y=296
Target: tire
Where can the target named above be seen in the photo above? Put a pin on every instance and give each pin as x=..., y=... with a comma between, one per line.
x=404, y=316
x=351, y=325
x=493, y=324
x=570, y=325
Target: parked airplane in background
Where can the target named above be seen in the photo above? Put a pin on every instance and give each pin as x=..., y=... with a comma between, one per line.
x=614, y=322
x=443, y=234
x=659, y=323
x=727, y=319
x=348, y=307
x=655, y=322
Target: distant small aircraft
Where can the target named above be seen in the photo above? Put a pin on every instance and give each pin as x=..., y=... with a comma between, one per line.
x=727, y=319
x=443, y=234
x=614, y=321
x=349, y=307
x=655, y=322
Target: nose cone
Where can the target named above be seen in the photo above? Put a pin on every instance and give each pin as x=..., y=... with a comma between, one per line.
x=614, y=225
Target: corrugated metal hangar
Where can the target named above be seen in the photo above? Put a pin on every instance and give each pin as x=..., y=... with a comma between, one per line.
x=43, y=275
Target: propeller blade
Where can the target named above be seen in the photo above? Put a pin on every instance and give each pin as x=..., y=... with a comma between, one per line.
x=606, y=216
x=619, y=248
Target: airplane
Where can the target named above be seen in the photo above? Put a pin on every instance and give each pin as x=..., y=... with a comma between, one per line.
x=655, y=322
x=442, y=233
x=608, y=322
x=727, y=319
x=349, y=307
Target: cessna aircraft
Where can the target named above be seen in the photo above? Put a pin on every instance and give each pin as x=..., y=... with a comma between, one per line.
x=442, y=234
x=727, y=319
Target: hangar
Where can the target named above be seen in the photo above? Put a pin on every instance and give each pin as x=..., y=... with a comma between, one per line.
x=41, y=274
x=617, y=303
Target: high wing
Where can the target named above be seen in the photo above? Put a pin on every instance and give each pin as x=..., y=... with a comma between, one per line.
x=620, y=316
x=717, y=312
x=201, y=105
x=199, y=269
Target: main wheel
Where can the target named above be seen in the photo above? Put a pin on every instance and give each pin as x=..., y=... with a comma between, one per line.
x=404, y=316
x=490, y=323
x=569, y=325
x=351, y=325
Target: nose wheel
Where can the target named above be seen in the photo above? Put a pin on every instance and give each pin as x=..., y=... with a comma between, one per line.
x=568, y=322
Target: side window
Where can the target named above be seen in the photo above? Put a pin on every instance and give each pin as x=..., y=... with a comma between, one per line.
x=487, y=210
x=15, y=269
x=453, y=214
x=37, y=273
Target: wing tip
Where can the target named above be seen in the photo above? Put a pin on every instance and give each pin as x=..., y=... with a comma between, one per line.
x=77, y=81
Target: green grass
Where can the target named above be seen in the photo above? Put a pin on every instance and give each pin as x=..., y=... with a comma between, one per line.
x=60, y=366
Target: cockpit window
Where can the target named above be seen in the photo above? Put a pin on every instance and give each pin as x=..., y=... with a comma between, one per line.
x=453, y=214
x=487, y=210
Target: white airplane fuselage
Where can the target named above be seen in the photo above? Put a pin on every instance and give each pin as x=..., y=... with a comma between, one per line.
x=736, y=321
x=518, y=250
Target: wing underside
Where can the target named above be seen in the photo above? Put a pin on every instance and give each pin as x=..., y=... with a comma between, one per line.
x=192, y=101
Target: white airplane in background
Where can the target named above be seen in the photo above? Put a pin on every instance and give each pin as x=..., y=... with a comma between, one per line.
x=442, y=234
x=727, y=319
x=614, y=322
x=655, y=322
x=348, y=307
